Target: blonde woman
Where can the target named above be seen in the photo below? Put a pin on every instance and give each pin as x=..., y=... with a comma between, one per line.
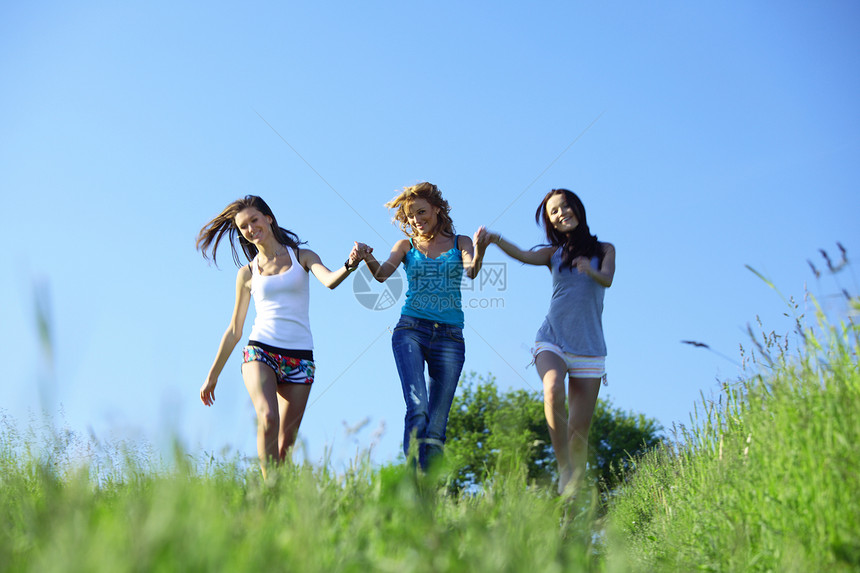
x=430, y=329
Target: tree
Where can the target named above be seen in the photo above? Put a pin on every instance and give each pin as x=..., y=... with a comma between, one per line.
x=491, y=431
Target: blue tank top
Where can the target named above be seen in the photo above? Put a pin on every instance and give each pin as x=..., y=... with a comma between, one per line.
x=574, y=321
x=434, y=286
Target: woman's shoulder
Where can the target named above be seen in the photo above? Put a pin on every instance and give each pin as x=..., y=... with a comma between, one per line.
x=402, y=248
x=606, y=247
x=462, y=242
x=551, y=252
x=244, y=274
x=306, y=257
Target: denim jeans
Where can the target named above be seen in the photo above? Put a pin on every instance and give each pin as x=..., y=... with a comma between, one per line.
x=417, y=341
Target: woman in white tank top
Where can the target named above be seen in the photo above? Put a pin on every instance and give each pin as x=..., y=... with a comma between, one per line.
x=278, y=367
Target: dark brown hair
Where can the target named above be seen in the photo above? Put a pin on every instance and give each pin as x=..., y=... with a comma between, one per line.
x=225, y=224
x=577, y=243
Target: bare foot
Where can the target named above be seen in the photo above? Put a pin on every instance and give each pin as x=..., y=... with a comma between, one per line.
x=570, y=490
x=564, y=477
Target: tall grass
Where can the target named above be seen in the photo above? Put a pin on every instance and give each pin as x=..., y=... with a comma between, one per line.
x=768, y=476
x=213, y=515
x=69, y=503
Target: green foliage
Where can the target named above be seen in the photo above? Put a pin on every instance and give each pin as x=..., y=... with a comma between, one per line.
x=491, y=431
x=222, y=516
x=617, y=438
x=768, y=477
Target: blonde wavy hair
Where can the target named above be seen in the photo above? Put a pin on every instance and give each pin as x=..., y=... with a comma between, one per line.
x=432, y=195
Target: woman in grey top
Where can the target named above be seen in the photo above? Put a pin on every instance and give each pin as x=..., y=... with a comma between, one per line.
x=570, y=342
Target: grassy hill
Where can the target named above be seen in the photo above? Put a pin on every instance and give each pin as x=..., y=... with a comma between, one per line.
x=766, y=479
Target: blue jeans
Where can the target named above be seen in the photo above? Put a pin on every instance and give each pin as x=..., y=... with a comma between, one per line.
x=415, y=342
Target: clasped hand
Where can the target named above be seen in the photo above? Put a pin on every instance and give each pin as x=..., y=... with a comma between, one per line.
x=358, y=253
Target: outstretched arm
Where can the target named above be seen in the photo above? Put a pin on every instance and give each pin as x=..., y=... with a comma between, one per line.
x=330, y=279
x=231, y=335
x=539, y=257
x=473, y=251
x=606, y=273
x=382, y=271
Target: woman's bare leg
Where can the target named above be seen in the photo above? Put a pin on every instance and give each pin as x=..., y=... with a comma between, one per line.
x=262, y=387
x=583, y=398
x=292, y=401
x=553, y=371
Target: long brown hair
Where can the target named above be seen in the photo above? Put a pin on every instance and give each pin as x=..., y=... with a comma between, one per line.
x=577, y=243
x=225, y=224
x=431, y=194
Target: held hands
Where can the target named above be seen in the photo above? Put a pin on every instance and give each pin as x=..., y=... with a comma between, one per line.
x=358, y=253
x=482, y=238
x=364, y=249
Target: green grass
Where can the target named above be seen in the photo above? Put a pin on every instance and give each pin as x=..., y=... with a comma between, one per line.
x=768, y=478
x=222, y=516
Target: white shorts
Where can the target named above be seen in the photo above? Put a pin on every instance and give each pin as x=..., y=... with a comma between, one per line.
x=577, y=366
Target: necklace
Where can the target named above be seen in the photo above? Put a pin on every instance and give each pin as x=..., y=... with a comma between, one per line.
x=276, y=255
x=425, y=243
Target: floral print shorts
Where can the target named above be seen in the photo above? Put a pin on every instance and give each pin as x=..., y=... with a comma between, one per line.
x=288, y=370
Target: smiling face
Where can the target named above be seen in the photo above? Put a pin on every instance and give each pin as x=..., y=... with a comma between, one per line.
x=253, y=225
x=560, y=214
x=422, y=216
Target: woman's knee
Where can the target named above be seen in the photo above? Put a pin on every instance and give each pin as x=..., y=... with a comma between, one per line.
x=578, y=427
x=553, y=388
x=267, y=420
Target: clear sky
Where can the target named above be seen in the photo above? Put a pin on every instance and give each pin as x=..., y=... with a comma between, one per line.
x=702, y=137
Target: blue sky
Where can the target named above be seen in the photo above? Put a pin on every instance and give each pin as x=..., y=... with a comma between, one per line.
x=702, y=137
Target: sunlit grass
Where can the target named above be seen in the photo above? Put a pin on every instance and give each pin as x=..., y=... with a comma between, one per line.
x=210, y=515
x=768, y=476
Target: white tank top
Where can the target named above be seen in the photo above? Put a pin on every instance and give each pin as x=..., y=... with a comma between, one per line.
x=281, y=302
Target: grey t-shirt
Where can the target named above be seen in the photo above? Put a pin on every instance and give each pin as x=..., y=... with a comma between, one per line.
x=574, y=321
